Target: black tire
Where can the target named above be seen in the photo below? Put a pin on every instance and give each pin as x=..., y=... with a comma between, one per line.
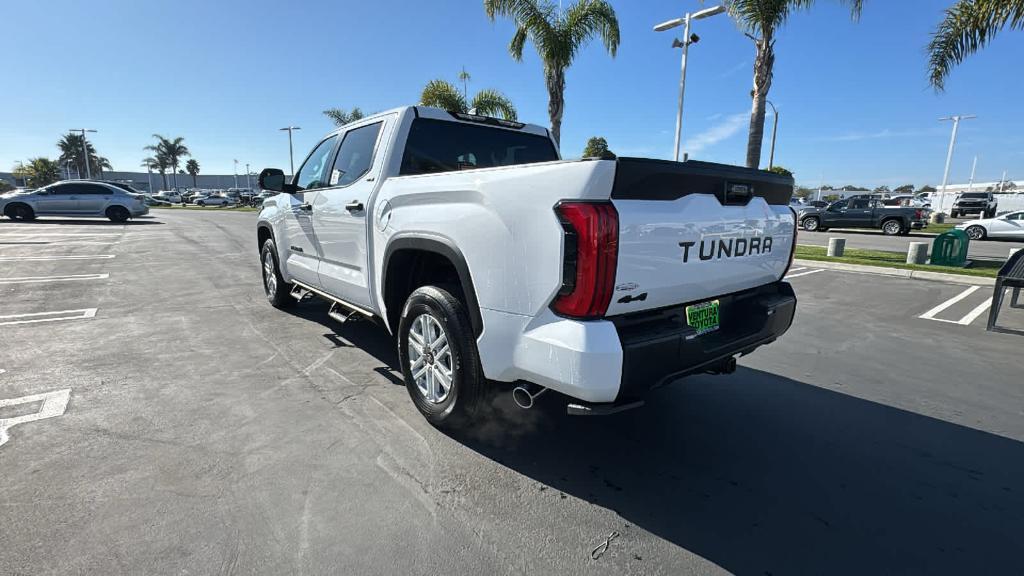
x=20, y=211
x=200, y=203
x=118, y=214
x=461, y=404
x=976, y=232
x=810, y=223
x=953, y=213
x=278, y=291
x=892, y=227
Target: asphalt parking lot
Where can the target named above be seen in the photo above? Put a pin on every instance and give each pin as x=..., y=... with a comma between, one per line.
x=190, y=428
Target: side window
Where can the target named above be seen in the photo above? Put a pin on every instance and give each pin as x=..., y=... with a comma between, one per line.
x=313, y=173
x=1016, y=216
x=859, y=203
x=93, y=189
x=841, y=205
x=355, y=155
x=62, y=189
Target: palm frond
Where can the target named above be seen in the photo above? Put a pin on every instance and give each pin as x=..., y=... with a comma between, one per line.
x=968, y=27
x=493, y=103
x=764, y=17
x=588, y=19
x=535, y=19
x=442, y=94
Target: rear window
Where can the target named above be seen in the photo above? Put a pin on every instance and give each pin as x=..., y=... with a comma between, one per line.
x=436, y=146
x=974, y=195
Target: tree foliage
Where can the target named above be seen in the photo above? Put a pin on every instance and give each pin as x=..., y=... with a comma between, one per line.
x=905, y=189
x=340, y=117
x=781, y=170
x=167, y=153
x=969, y=25
x=443, y=94
x=38, y=172
x=927, y=188
x=192, y=167
x=71, y=150
x=760, y=20
x=597, y=147
x=558, y=36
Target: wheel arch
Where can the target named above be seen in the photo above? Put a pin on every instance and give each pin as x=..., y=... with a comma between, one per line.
x=397, y=278
x=264, y=231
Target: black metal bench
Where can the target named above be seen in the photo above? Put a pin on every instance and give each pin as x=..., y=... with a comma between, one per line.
x=1011, y=275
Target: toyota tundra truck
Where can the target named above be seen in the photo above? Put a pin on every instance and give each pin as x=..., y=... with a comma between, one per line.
x=492, y=260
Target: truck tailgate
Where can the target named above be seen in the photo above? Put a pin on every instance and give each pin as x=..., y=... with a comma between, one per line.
x=692, y=231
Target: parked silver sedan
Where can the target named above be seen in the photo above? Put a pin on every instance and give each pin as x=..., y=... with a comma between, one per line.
x=74, y=198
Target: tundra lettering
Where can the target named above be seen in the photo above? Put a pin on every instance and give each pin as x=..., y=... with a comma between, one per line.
x=728, y=248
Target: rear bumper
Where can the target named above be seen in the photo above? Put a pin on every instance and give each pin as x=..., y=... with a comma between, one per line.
x=658, y=346
x=620, y=358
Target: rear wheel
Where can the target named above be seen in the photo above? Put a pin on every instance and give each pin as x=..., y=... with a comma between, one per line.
x=118, y=214
x=20, y=211
x=277, y=290
x=976, y=232
x=439, y=358
x=892, y=227
x=811, y=223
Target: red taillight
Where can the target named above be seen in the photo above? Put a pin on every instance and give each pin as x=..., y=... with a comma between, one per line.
x=591, y=250
x=792, y=250
x=918, y=214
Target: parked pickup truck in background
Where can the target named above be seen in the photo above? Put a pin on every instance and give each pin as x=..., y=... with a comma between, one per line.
x=491, y=260
x=863, y=213
x=983, y=204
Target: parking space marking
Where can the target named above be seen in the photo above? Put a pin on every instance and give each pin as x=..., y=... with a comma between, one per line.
x=46, y=316
x=39, y=279
x=54, y=404
x=930, y=315
x=34, y=233
x=808, y=273
x=65, y=257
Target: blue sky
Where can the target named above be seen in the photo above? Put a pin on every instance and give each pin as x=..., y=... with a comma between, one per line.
x=853, y=100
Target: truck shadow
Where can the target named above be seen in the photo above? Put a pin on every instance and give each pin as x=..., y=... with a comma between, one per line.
x=762, y=474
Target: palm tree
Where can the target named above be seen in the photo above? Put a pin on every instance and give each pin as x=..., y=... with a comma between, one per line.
x=443, y=94
x=342, y=117
x=158, y=163
x=192, y=167
x=70, y=146
x=464, y=77
x=969, y=25
x=558, y=36
x=760, y=20
x=171, y=151
x=38, y=172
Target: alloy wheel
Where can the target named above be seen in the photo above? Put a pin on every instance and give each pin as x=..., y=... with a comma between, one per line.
x=430, y=358
x=269, y=277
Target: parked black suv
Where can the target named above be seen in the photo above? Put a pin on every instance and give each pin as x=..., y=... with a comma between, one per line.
x=982, y=203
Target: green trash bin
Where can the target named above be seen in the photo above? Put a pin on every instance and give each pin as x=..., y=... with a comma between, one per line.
x=950, y=248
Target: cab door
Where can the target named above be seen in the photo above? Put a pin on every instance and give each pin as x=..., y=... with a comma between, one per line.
x=859, y=212
x=342, y=212
x=58, y=199
x=93, y=198
x=835, y=214
x=301, y=249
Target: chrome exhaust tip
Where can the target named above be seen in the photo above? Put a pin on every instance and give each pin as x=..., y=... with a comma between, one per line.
x=523, y=398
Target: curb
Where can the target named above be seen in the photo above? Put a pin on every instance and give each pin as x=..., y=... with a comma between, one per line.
x=900, y=272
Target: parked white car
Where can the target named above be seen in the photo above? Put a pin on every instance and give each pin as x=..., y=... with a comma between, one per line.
x=214, y=201
x=1010, y=225
x=166, y=196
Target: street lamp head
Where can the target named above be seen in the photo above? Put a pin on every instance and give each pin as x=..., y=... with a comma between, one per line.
x=669, y=25
x=707, y=12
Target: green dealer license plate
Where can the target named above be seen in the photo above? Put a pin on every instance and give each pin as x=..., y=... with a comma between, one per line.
x=703, y=317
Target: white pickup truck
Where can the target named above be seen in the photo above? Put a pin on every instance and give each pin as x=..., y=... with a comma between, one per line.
x=490, y=259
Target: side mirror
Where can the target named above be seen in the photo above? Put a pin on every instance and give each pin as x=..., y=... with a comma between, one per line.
x=273, y=179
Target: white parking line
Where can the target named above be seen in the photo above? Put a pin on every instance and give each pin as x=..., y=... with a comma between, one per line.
x=930, y=315
x=34, y=233
x=54, y=404
x=808, y=273
x=38, y=316
x=68, y=257
x=38, y=279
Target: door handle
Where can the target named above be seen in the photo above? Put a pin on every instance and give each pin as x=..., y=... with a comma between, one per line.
x=306, y=207
x=354, y=206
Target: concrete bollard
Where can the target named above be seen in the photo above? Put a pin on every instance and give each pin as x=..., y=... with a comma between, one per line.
x=836, y=247
x=917, y=253
x=937, y=218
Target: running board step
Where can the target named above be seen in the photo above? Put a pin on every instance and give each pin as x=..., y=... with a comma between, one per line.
x=343, y=314
x=300, y=293
x=584, y=409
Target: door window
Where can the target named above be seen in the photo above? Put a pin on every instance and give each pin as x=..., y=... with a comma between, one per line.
x=313, y=173
x=355, y=155
x=93, y=189
x=859, y=203
x=841, y=205
x=1015, y=216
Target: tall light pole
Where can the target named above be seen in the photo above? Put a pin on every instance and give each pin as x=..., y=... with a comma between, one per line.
x=236, y=172
x=85, y=151
x=685, y=45
x=775, y=128
x=291, y=153
x=949, y=154
x=974, y=166
x=248, y=185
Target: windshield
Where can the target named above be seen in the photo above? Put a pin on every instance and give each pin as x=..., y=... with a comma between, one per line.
x=974, y=195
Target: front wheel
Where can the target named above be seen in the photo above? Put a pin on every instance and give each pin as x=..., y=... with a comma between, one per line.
x=892, y=227
x=810, y=223
x=976, y=233
x=439, y=359
x=277, y=290
x=20, y=212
